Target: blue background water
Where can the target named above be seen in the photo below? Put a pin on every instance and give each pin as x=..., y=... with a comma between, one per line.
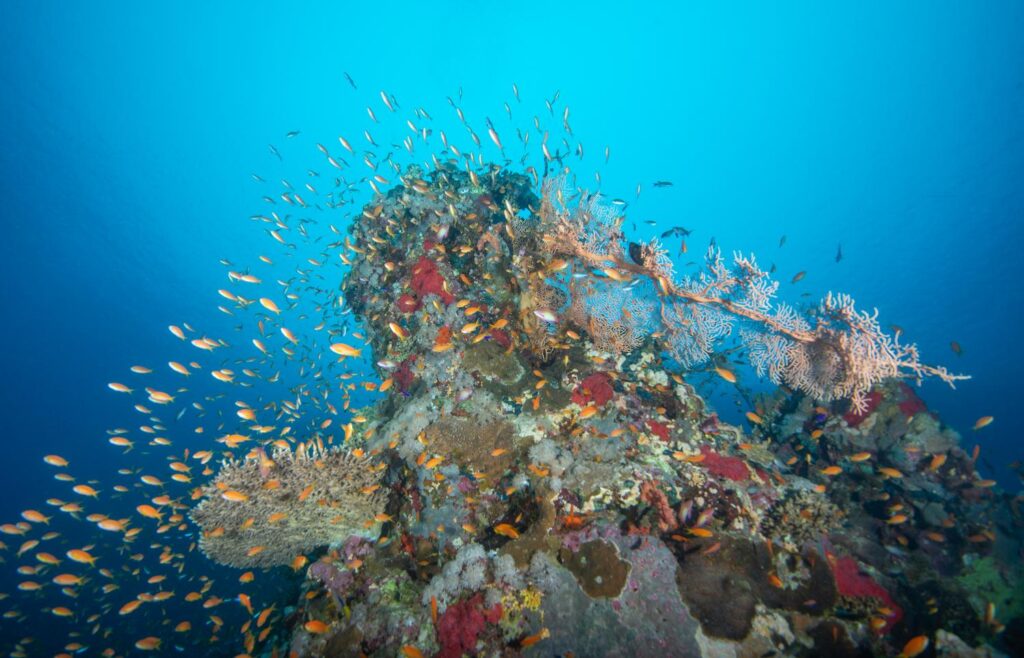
x=128, y=134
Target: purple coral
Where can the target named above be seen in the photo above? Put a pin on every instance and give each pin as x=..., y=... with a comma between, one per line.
x=337, y=581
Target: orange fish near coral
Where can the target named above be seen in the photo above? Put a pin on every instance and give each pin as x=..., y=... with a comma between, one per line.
x=727, y=375
x=914, y=647
x=344, y=350
x=506, y=530
x=531, y=640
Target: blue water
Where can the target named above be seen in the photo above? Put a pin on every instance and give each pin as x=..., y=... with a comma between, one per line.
x=128, y=133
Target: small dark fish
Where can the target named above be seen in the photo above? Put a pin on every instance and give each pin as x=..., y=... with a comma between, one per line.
x=772, y=269
x=274, y=150
x=677, y=231
x=799, y=276
x=839, y=253
x=292, y=133
x=955, y=346
x=350, y=80
x=663, y=183
x=782, y=241
x=636, y=253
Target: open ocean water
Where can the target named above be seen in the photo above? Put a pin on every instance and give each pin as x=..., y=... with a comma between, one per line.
x=130, y=133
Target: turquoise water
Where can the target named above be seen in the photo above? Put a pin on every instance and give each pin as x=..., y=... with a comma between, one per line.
x=130, y=133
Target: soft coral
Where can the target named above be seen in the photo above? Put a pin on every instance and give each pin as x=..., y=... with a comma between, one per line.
x=854, y=584
x=460, y=626
x=596, y=389
x=426, y=280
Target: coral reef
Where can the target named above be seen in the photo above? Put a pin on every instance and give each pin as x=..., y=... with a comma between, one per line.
x=548, y=468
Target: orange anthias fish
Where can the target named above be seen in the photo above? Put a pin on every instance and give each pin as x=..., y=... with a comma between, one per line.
x=506, y=530
x=914, y=647
x=725, y=374
x=984, y=421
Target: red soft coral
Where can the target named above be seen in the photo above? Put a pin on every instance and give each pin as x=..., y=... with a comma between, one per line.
x=854, y=584
x=596, y=389
x=911, y=404
x=427, y=280
x=404, y=375
x=854, y=418
x=460, y=626
x=659, y=429
x=730, y=468
x=408, y=303
x=501, y=338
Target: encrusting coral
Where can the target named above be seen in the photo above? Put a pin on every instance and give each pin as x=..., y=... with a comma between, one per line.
x=267, y=511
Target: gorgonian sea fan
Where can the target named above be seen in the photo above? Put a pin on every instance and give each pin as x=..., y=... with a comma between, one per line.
x=839, y=352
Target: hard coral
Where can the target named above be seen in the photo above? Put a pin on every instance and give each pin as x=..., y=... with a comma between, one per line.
x=801, y=516
x=261, y=526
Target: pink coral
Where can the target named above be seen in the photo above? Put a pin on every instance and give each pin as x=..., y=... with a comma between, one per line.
x=723, y=466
